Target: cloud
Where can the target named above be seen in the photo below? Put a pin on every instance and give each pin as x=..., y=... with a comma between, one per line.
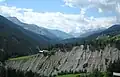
x=100, y=10
x=2, y=0
x=101, y=5
x=70, y=23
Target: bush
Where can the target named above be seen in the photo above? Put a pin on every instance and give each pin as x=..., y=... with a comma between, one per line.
x=96, y=73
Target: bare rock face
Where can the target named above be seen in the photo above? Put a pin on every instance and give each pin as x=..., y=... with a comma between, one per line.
x=75, y=60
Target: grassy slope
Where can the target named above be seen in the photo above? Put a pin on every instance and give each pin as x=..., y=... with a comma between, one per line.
x=21, y=58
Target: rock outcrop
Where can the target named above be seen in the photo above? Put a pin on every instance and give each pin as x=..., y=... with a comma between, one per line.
x=75, y=60
x=3, y=72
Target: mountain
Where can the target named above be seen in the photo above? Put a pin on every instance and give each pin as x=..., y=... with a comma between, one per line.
x=87, y=32
x=52, y=34
x=15, y=40
x=91, y=32
x=34, y=28
x=111, y=31
x=61, y=34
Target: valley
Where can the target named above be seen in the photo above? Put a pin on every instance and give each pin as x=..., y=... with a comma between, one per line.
x=29, y=52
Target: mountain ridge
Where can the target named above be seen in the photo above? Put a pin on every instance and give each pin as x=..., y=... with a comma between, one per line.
x=41, y=30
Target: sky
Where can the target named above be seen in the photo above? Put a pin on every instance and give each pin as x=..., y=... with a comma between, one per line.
x=71, y=16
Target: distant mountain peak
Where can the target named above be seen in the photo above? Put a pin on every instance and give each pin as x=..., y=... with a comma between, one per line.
x=15, y=19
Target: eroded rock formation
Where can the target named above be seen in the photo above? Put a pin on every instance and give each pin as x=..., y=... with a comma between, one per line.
x=75, y=60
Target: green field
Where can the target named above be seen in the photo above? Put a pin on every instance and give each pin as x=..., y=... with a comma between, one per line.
x=100, y=74
x=69, y=75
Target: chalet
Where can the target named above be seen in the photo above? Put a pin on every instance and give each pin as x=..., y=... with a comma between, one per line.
x=41, y=51
x=116, y=74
